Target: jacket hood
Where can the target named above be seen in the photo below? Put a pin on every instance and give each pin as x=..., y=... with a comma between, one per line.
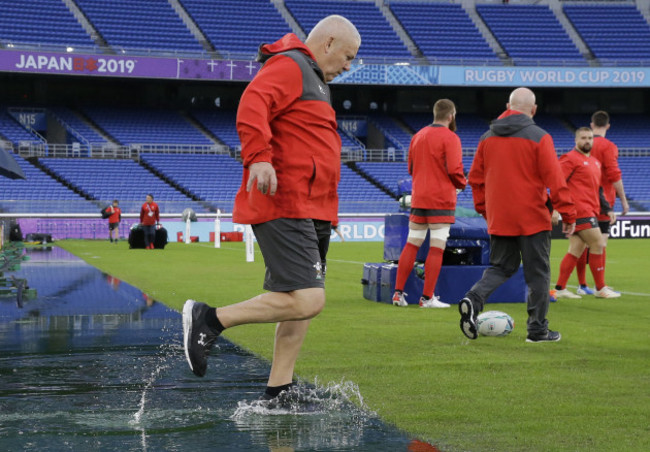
x=288, y=42
x=510, y=122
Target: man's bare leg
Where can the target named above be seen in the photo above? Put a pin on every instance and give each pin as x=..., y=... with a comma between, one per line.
x=289, y=337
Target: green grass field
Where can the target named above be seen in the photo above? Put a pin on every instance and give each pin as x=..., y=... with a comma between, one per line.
x=591, y=391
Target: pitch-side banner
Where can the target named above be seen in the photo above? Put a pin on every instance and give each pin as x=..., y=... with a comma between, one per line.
x=495, y=76
x=126, y=66
x=368, y=74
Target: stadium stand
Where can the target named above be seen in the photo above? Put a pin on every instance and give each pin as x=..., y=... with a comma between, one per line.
x=146, y=126
x=237, y=26
x=530, y=34
x=637, y=183
x=125, y=180
x=40, y=193
x=443, y=31
x=395, y=134
x=389, y=174
x=470, y=126
x=12, y=130
x=358, y=195
x=219, y=123
x=213, y=178
x=128, y=24
x=563, y=135
x=378, y=37
x=40, y=22
x=613, y=32
x=628, y=131
x=78, y=129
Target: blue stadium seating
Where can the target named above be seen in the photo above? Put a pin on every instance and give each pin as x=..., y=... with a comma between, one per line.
x=39, y=193
x=378, y=38
x=628, y=131
x=142, y=24
x=213, y=178
x=78, y=129
x=395, y=134
x=142, y=126
x=636, y=182
x=125, y=180
x=41, y=22
x=221, y=124
x=563, y=136
x=358, y=195
x=389, y=174
x=13, y=131
x=470, y=126
x=530, y=34
x=612, y=32
x=443, y=31
x=237, y=26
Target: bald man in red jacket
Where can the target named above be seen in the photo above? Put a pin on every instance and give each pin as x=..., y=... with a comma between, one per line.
x=514, y=165
x=291, y=152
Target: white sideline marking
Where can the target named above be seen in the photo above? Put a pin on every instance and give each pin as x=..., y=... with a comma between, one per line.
x=622, y=293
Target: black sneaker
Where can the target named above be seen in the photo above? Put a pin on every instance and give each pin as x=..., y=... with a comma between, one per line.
x=468, y=318
x=549, y=336
x=198, y=337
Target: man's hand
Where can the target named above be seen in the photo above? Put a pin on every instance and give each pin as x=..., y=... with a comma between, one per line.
x=625, y=205
x=555, y=217
x=264, y=173
x=612, y=217
x=568, y=229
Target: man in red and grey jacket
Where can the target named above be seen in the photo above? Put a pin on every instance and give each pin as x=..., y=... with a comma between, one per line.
x=291, y=157
x=514, y=165
x=149, y=218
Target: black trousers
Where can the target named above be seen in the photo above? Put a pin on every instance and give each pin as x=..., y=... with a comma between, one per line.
x=506, y=254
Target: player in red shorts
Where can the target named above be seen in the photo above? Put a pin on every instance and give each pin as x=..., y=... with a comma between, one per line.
x=582, y=172
x=436, y=164
x=607, y=153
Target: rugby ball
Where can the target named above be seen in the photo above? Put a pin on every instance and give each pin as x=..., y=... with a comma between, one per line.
x=495, y=323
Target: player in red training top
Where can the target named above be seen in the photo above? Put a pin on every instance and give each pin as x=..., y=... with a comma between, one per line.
x=583, y=174
x=607, y=153
x=114, y=221
x=436, y=164
x=149, y=218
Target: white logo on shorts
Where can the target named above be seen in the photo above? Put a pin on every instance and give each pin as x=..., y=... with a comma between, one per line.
x=319, y=270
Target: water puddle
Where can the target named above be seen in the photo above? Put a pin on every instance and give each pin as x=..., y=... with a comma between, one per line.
x=91, y=362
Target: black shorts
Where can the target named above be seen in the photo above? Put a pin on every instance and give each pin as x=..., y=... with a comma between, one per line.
x=294, y=253
x=112, y=226
x=604, y=226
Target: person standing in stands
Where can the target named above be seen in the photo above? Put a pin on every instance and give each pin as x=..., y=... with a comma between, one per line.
x=436, y=164
x=583, y=175
x=149, y=218
x=114, y=221
x=514, y=165
x=611, y=182
x=291, y=152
